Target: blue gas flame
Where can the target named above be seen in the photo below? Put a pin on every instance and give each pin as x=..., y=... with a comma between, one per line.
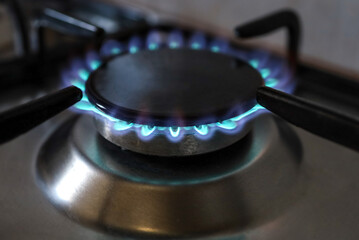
x=154, y=40
x=197, y=41
x=273, y=70
x=135, y=44
x=111, y=47
x=219, y=45
x=175, y=39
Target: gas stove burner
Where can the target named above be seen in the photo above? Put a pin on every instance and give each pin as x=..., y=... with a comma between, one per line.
x=262, y=179
x=169, y=87
x=155, y=87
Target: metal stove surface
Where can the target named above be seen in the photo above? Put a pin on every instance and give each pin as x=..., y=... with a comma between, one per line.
x=326, y=209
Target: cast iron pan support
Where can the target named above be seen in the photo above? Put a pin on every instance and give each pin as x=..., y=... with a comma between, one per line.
x=63, y=23
x=327, y=123
x=23, y=118
x=283, y=19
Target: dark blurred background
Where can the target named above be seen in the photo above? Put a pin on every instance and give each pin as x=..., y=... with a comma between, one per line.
x=330, y=27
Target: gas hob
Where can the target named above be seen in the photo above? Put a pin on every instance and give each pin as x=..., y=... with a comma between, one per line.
x=117, y=166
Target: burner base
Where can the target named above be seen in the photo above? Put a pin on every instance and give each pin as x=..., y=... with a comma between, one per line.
x=100, y=185
x=160, y=145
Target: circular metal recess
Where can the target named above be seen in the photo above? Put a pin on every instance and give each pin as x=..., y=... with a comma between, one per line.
x=167, y=87
x=100, y=185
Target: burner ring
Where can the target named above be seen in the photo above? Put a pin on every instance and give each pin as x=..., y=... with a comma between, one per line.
x=166, y=146
x=174, y=89
x=169, y=87
x=272, y=71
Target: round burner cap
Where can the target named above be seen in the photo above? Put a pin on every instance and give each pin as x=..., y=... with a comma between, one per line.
x=169, y=87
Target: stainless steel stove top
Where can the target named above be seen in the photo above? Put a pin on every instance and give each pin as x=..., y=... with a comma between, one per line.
x=325, y=208
x=288, y=183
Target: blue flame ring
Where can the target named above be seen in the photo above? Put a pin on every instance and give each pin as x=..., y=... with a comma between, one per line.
x=273, y=70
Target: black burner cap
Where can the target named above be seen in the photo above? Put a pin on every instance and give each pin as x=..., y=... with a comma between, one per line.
x=178, y=87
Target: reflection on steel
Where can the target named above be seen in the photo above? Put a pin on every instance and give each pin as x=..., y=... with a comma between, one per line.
x=69, y=186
